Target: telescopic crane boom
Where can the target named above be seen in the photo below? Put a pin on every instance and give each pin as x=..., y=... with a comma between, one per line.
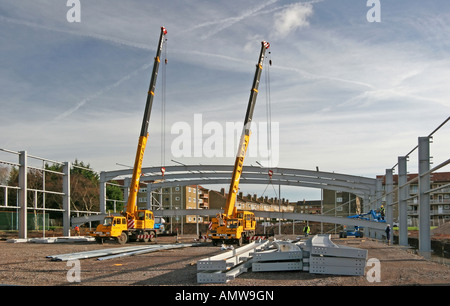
x=233, y=225
x=245, y=136
x=135, y=224
x=137, y=169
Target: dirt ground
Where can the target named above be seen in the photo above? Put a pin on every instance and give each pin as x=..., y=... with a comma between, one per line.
x=26, y=264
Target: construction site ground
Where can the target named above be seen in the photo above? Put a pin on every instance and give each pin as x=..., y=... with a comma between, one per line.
x=26, y=264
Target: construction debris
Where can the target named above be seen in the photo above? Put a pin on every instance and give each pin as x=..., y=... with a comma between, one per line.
x=318, y=255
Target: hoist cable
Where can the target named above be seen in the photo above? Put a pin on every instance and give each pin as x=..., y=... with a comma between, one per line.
x=163, y=106
x=268, y=114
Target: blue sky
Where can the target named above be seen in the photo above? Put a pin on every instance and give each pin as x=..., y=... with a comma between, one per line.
x=349, y=95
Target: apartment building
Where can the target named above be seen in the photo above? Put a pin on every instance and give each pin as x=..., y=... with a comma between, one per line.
x=340, y=203
x=250, y=202
x=439, y=198
x=177, y=197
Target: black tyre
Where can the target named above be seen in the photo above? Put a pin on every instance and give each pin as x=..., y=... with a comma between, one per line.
x=122, y=239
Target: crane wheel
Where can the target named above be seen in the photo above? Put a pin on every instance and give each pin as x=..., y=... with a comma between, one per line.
x=122, y=239
x=152, y=236
x=146, y=237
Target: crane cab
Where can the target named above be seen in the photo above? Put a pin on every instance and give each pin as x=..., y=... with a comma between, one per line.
x=144, y=219
x=111, y=227
x=237, y=229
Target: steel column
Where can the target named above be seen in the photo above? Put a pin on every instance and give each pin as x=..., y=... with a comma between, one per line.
x=66, y=199
x=389, y=196
x=402, y=202
x=103, y=192
x=23, y=194
x=424, y=197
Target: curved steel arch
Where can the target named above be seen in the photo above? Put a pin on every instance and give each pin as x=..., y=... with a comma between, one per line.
x=181, y=175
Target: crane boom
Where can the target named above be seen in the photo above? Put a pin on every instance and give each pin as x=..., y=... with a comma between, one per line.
x=131, y=203
x=230, y=209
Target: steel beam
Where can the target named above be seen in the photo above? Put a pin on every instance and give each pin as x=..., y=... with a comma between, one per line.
x=424, y=197
x=337, y=261
x=23, y=194
x=222, y=277
x=66, y=199
x=322, y=245
x=274, y=255
x=277, y=266
x=337, y=270
x=231, y=258
x=389, y=196
x=258, y=214
x=215, y=174
x=402, y=201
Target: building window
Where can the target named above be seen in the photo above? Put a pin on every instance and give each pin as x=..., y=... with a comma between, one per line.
x=177, y=198
x=177, y=188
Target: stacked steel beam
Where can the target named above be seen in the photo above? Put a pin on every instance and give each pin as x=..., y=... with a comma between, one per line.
x=225, y=267
x=318, y=255
x=325, y=257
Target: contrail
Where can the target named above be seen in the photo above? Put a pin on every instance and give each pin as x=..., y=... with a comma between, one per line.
x=228, y=22
x=78, y=33
x=99, y=93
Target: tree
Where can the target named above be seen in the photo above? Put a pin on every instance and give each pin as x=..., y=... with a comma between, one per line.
x=84, y=187
x=84, y=191
x=114, y=194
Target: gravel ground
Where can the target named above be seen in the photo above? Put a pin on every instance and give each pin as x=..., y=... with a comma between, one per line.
x=26, y=264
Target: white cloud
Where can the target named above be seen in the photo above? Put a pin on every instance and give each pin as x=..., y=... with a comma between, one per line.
x=292, y=18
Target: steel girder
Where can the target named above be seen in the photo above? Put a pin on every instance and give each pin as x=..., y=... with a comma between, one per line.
x=221, y=174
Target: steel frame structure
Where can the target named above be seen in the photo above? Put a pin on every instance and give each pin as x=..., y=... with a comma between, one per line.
x=369, y=189
x=22, y=205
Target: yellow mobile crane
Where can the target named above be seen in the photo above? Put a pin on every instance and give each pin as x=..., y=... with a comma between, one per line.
x=234, y=226
x=135, y=224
